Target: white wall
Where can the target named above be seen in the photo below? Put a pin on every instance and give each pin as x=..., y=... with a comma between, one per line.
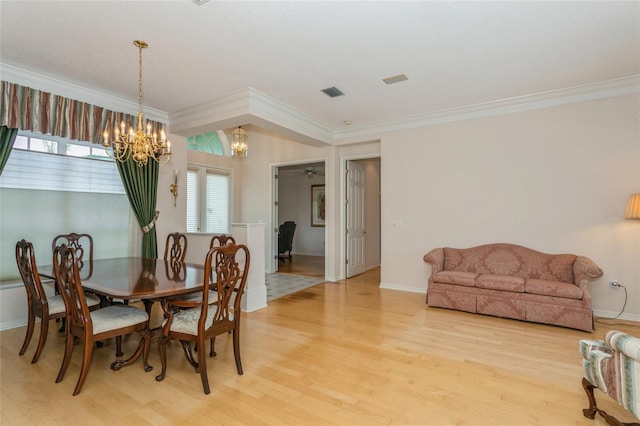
x=555, y=179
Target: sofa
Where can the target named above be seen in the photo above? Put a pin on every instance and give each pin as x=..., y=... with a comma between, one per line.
x=511, y=281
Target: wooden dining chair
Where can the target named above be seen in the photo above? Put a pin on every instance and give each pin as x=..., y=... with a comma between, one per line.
x=90, y=327
x=82, y=244
x=221, y=240
x=226, y=269
x=39, y=305
x=175, y=249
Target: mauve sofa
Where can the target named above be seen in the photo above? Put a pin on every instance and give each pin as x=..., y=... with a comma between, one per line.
x=511, y=281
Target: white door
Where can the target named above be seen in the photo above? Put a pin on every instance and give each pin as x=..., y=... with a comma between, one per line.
x=355, y=218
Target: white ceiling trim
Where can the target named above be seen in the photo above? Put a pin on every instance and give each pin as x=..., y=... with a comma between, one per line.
x=48, y=84
x=249, y=106
x=587, y=92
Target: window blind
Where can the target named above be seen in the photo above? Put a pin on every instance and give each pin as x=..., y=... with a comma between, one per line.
x=217, y=203
x=193, y=216
x=43, y=195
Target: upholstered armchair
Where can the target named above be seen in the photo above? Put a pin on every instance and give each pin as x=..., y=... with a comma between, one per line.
x=613, y=366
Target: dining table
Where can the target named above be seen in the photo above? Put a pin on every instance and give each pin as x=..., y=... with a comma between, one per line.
x=137, y=278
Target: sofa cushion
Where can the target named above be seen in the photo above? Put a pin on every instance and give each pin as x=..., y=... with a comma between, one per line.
x=553, y=288
x=500, y=282
x=456, y=277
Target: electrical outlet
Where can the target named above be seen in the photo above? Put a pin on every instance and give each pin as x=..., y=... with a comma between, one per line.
x=614, y=284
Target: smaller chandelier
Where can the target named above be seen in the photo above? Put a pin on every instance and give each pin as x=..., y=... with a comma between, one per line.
x=139, y=144
x=239, y=147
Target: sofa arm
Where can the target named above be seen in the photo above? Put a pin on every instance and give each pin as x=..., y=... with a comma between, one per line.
x=585, y=270
x=624, y=343
x=436, y=258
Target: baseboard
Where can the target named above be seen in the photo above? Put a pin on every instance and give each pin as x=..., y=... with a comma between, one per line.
x=614, y=315
x=12, y=324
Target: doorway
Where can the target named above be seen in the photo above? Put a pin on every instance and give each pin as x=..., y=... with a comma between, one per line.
x=362, y=219
x=294, y=188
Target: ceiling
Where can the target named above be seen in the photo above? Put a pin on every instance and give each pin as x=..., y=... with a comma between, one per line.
x=455, y=54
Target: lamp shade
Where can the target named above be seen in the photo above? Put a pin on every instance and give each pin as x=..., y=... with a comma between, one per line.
x=633, y=207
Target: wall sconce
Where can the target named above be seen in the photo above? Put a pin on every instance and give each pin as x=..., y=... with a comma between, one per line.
x=173, y=188
x=633, y=207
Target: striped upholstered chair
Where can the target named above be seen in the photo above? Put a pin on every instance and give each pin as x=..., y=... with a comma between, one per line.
x=613, y=366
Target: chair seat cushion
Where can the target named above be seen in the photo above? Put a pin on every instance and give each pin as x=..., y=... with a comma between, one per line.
x=117, y=316
x=56, y=303
x=186, y=321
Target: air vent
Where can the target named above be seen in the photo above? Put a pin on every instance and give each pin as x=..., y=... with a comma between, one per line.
x=332, y=92
x=395, y=79
x=199, y=2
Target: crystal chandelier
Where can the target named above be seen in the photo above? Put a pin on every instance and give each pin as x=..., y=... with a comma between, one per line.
x=239, y=147
x=139, y=144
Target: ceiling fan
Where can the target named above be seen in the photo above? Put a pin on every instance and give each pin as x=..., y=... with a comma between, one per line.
x=312, y=171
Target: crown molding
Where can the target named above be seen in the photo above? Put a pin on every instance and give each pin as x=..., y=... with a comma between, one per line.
x=586, y=92
x=250, y=106
x=73, y=91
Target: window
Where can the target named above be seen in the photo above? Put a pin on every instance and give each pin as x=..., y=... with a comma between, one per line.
x=206, y=142
x=51, y=186
x=208, y=200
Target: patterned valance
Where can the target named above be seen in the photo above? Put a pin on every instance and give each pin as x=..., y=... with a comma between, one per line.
x=25, y=108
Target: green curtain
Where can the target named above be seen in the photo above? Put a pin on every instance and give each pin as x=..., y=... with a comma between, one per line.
x=141, y=186
x=7, y=137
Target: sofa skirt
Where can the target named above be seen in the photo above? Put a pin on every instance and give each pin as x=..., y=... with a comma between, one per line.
x=562, y=312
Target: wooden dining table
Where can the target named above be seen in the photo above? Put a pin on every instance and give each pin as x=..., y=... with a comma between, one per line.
x=137, y=278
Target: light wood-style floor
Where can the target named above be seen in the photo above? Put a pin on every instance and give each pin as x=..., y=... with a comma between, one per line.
x=345, y=353
x=301, y=264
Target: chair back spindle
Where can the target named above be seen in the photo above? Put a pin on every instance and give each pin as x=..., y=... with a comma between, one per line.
x=175, y=250
x=82, y=244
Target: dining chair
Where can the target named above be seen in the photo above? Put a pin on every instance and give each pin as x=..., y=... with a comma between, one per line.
x=39, y=305
x=221, y=240
x=81, y=243
x=206, y=319
x=175, y=249
x=216, y=241
x=90, y=327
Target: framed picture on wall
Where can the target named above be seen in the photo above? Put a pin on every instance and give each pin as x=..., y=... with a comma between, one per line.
x=317, y=205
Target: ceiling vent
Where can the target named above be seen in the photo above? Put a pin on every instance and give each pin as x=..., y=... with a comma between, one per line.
x=199, y=2
x=395, y=79
x=332, y=92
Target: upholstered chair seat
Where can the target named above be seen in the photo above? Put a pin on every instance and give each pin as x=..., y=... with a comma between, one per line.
x=56, y=303
x=186, y=321
x=115, y=317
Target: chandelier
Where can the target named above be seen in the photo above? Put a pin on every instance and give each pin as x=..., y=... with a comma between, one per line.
x=139, y=144
x=239, y=147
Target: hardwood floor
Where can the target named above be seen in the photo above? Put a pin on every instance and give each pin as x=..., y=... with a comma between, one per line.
x=301, y=264
x=346, y=353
